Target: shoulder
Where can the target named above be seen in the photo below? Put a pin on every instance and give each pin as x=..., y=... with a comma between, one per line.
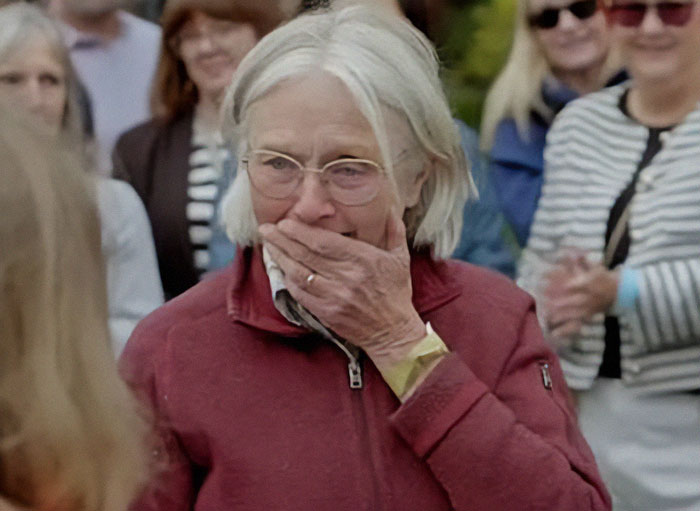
x=510, y=145
x=187, y=312
x=486, y=321
x=602, y=105
x=486, y=290
x=139, y=28
x=147, y=130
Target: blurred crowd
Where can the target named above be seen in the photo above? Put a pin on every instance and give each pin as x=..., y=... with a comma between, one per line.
x=117, y=190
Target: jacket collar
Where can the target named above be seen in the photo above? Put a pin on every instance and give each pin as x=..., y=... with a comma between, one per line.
x=249, y=298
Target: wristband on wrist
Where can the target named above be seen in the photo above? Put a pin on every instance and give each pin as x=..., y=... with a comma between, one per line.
x=403, y=375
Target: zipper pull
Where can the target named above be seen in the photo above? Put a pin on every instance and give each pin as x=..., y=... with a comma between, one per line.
x=355, y=374
x=546, y=377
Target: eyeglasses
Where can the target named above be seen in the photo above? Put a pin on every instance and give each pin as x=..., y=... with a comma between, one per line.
x=549, y=18
x=633, y=14
x=349, y=181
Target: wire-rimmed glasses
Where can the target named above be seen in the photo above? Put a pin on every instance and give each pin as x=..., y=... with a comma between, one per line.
x=349, y=181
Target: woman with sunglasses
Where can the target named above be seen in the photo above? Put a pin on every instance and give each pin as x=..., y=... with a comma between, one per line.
x=560, y=50
x=614, y=256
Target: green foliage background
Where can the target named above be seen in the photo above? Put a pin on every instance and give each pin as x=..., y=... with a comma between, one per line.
x=474, y=44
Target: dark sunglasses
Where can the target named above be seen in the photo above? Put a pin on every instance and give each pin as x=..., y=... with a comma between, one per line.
x=633, y=14
x=549, y=18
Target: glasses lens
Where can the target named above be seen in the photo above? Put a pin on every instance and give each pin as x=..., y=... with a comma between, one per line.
x=546, y=19
x=583, y=9
x=628, y=15
x=675, y=13
x=274, y=175
x=352, y=182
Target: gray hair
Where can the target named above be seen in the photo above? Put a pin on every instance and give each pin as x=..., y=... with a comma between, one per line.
x=386, y=64
x=21, y=23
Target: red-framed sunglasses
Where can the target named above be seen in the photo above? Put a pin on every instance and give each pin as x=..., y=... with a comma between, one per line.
x=632, y=14
x=549, y=18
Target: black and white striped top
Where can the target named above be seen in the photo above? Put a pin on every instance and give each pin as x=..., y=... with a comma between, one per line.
x=204, y=191
x=592, y=152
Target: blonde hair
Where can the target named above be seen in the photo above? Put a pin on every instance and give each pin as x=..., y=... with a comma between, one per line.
x=21, y=23
x=352, y=44
x=70, y=433
x=517, y=90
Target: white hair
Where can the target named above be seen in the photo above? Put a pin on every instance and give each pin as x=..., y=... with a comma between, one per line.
x=386, y=64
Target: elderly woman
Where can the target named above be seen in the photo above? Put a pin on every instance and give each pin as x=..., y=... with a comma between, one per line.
x=37, y=78
x=177, y=162
x=614, y=258
x=560, y=50
x=71, y=437
x=333, y=367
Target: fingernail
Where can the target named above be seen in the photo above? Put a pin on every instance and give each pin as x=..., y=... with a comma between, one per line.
x=265, y=229
x=284, y=225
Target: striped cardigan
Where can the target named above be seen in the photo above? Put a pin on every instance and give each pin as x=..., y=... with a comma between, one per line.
x=592, y=152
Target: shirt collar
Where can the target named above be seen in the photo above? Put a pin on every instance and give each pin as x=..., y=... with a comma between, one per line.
x=249, y=296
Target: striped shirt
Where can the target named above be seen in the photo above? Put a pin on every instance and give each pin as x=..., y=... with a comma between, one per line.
x=592, y=152
x=205, y=183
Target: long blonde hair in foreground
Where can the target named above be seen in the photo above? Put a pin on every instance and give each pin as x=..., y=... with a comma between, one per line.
x=70, y=435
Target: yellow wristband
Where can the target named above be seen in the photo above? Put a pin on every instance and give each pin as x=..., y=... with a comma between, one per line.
x=403, y=375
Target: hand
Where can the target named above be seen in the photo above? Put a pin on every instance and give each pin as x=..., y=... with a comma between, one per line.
x=575, y=290
x=361, y=292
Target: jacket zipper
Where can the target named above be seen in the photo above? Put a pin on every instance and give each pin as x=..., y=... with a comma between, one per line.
x=354, y=365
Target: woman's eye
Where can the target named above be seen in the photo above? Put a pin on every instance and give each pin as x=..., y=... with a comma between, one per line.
x=50, y=79
x=280, y=164
x=347, y=171
x=10, y=78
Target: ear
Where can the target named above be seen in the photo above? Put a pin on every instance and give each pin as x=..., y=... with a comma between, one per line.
x=414, y=188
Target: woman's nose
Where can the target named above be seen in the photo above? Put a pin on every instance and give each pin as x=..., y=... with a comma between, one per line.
x=567, y=21
x=32, y=95
x=312, y=200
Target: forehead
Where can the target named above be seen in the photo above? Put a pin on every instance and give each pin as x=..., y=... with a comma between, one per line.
x=314, y=112
x=32, y=52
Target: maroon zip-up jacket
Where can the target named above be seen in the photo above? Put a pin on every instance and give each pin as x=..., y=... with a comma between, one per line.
x=256, y=414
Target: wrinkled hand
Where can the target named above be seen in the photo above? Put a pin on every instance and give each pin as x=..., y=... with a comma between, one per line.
x=361, y=292
x=574, y=291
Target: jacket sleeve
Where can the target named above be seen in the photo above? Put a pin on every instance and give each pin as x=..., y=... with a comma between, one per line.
x=667, y=311
x=482, y=241
x=554, y=214
x=516, y=442
x=171, y=487
x=133, y=282
x=516, y=172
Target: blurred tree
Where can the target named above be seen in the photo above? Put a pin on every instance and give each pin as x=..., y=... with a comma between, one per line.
x=473, y=45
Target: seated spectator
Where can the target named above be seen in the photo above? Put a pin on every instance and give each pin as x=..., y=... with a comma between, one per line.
x=71, y=437
x=177, y=162
x=613, y=258
x=341, y=363
x=559, y=52
x=36, y=76
x=115, y=55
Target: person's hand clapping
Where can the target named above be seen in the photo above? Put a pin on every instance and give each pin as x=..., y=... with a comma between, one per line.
x=575, y=290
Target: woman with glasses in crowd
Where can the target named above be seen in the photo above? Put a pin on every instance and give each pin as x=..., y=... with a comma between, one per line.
x=177, y=162
x=560, y=51
x=613, y=256
x=37, y=78
x=340, y=363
